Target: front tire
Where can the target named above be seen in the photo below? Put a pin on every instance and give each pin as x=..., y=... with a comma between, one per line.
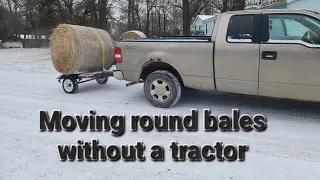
x=162, y=89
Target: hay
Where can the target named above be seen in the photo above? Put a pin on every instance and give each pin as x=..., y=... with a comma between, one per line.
x=78, y=49
x=133, y=35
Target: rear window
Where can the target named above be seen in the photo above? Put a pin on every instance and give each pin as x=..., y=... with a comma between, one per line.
x=240, y=28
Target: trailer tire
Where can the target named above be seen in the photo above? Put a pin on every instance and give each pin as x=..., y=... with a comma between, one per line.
x=102, y=80
x=162, y=89
x=70, y=85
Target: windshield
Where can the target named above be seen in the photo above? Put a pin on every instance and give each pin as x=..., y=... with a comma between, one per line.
x=313, y=21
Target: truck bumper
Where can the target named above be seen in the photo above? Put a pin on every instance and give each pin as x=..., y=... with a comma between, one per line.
x=118, y=74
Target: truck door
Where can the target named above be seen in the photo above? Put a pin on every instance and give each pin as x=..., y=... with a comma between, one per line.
x=236, y=55
x=290, y=56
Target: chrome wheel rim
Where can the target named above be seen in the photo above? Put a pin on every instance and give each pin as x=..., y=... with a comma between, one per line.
x=160, y=90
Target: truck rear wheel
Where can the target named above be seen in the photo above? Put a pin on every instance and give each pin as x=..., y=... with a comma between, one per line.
x=162, y=89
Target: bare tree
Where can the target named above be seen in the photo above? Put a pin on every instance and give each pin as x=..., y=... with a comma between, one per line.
x=3, y=28
x=91, y=6
x=130, y=10
x=238, y=5
x=69, y=5
x=27, y=7
x=102, y=14
x=190, y=9
x=150, y=6
x=60, y=11
x=154, y=17
x=186, y=17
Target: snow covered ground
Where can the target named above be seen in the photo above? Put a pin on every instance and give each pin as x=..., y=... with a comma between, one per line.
x=288, y=150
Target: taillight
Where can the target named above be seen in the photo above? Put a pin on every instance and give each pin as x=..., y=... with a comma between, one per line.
x=118, y=55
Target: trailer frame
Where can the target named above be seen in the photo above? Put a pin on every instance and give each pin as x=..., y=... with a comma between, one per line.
x=70, y=82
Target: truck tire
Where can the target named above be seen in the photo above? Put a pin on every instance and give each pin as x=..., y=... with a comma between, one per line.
x=162, y=89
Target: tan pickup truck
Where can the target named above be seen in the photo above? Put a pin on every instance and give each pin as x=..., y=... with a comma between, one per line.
x=273, y=53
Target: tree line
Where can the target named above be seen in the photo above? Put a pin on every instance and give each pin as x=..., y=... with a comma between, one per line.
x=19, y=18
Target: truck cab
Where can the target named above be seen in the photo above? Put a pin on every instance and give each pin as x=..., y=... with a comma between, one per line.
x=273, y=53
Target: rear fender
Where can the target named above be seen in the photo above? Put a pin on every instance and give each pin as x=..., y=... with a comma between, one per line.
x=158, y=56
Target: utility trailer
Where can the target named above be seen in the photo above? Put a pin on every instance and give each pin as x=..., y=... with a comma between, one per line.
x=70, y=82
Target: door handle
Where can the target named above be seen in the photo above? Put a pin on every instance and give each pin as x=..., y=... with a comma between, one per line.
x=269, y=55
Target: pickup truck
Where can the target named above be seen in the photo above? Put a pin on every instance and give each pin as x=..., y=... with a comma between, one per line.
x=271, y=53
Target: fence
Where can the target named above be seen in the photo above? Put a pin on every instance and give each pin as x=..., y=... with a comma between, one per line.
x=33, y=43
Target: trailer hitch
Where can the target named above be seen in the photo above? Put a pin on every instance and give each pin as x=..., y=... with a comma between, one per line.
x=131, y=84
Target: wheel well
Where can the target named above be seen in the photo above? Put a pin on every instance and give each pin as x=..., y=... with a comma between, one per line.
x=159, y=66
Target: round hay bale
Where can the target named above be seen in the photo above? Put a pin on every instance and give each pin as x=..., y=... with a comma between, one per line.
x=79, y=49
x=133, y=35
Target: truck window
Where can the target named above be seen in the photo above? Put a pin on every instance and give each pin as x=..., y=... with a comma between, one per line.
x=240, y=28
x=294, y=28
x=276, y=29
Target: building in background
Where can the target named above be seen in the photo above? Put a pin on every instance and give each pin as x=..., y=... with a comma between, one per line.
x=203, y=25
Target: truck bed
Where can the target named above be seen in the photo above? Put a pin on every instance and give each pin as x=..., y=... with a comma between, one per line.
x=172, y=39
x=183, y=54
